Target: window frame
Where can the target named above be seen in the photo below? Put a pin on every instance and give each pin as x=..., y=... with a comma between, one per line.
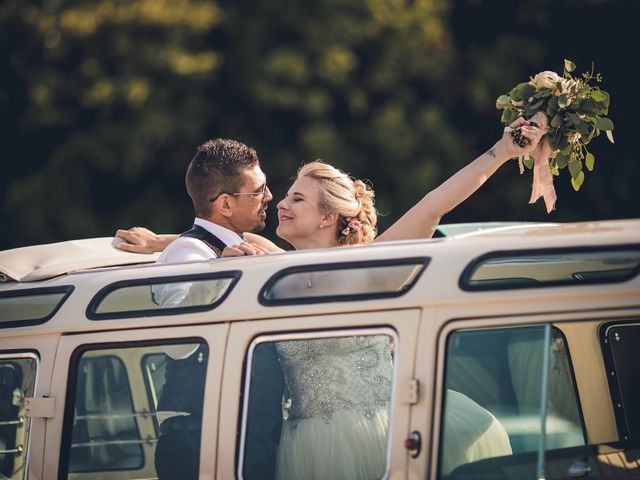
x=71, y=389
x=469, y=270
x=18, y=354
x=617, y=403
x=324, y=267
x=315, y=333
x=438, y=439
x=92, y=314
x=71, y=402
x=66, y=290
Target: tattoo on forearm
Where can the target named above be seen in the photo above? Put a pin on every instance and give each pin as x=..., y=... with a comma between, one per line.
x=491, y=152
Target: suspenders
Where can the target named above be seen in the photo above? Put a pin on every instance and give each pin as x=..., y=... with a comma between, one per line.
x=207, y=237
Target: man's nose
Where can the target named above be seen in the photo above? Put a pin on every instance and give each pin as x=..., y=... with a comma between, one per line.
x=267, y=195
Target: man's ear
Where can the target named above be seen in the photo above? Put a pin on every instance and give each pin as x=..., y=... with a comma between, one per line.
x=330, y=218
x=222, y=206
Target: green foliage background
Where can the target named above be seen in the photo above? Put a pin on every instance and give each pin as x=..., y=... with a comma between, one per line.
x=103, y=102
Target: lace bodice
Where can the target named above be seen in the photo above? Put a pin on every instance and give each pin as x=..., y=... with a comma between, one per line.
x=328, y=374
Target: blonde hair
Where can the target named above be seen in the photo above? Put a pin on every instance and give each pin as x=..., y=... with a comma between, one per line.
x=351, y=199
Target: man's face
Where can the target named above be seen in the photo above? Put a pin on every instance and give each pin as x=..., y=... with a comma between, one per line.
x=249, y=204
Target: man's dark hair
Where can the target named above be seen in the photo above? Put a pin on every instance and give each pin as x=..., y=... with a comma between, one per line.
x=217, y=168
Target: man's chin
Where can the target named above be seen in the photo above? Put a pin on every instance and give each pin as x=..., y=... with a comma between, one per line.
x=260, y=226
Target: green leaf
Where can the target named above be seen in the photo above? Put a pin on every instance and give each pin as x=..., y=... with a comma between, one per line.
x=604, y=123
x=577, y=181
x=508, y=116
x=563, y=101
x=528, y=162
x=589, y=161
x=561, y=160
x=522, y=91
x=610, y=136
x=503, y=101
x=556, y=121
x=575, y=167
x=584, y=128
x=600, y=96
x=536, y=104
x=569, y=66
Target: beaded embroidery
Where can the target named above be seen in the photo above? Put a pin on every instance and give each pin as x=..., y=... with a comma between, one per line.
x=329, y=374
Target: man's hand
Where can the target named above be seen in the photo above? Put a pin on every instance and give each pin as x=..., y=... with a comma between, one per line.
x=143, y=240
x=244, y=248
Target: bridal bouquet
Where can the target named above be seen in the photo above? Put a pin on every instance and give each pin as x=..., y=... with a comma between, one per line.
x=573, y=110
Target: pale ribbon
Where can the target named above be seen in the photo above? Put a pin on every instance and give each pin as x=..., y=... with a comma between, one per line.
x=542, y=178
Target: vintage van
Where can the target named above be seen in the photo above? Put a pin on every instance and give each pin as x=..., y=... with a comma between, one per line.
x=512, y=352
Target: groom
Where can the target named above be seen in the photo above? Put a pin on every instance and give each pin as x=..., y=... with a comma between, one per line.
x=230, y=196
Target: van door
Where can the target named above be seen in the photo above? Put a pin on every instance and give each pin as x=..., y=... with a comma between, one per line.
x=517, y=396
x=136, y=403
x=26, y=364
x=318, y=396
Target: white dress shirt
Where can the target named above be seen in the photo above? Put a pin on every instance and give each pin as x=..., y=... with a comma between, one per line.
x=187, y=249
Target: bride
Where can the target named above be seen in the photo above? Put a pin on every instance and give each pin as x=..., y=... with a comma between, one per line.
x=341, y=432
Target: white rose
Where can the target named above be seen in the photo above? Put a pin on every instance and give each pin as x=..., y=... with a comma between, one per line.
x=546, y=80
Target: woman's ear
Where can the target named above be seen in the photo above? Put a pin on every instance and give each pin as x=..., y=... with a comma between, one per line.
x=330, y=218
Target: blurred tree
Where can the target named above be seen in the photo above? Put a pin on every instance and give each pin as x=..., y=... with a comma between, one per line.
x=105, y=101
x=107, y=94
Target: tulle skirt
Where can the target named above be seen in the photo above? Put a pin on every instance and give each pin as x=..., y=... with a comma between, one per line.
x=350, y=446
x=471, y=433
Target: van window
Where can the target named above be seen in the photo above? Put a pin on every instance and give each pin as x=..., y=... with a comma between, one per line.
x=342, y=281
x=135, y=411
x=508, y=270
x=493, y=382
x=17, y=381
x=622, y=357
x=318, y=406
x=32, y=306
x=161, y=296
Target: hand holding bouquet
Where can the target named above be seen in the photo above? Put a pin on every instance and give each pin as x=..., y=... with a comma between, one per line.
x=575, y=112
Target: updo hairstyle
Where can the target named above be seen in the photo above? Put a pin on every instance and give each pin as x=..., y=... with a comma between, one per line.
x=351, y=199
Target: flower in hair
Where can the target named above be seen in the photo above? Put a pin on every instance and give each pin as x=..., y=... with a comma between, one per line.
x=352, y=227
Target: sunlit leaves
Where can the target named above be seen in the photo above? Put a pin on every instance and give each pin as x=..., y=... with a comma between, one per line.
x=574, y=108
x=577, y=181
x=569, y=66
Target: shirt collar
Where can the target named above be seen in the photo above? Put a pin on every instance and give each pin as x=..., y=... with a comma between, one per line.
x=229, y=237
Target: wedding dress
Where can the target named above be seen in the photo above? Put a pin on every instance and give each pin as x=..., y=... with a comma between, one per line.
x=337, y=423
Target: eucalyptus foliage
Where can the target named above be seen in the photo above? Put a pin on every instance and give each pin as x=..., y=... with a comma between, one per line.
x=575, y=109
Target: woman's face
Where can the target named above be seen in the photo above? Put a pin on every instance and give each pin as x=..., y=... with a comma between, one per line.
x=299, y=216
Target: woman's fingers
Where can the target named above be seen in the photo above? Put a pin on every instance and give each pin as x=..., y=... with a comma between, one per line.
x=244, y=248
x=232, y=251
x=532, y=133
x=519, y=121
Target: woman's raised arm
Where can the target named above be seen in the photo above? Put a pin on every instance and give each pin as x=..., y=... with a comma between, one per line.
x=421, y=220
